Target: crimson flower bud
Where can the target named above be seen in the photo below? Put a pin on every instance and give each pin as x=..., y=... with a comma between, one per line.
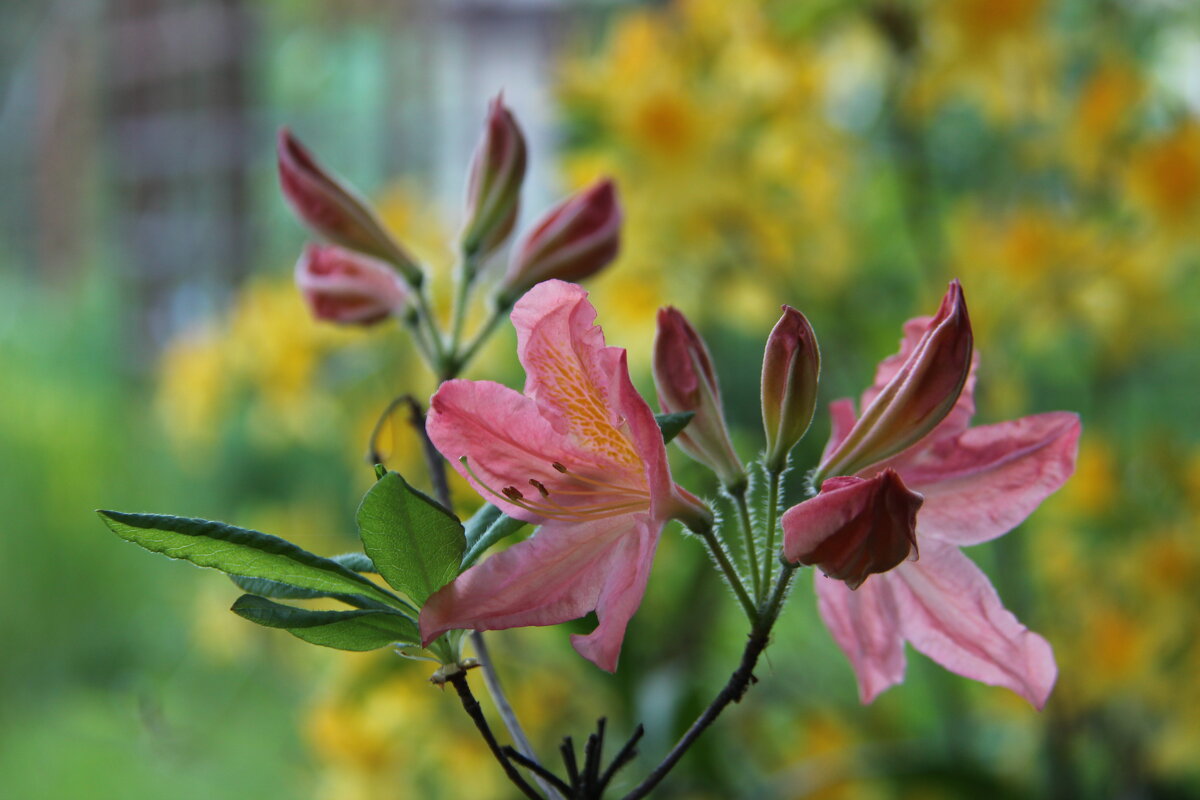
x=334, y=210
x=684, y=377
x=791, y=364
x=854, y=528
x=494, y=185
x=348, y=288
x=918, y=396
x=574, y=240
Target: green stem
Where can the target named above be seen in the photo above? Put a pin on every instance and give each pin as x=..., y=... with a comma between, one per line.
x=430, y=327
x=775, y=478
x=705, y=532
x=463, y=358
x=739, y=497
x=466, y=279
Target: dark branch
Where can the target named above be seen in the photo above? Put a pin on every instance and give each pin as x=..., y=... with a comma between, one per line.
x=531, y=765
x=433, y=459
x=733, y=691
x=471, y=706
x=626, y=754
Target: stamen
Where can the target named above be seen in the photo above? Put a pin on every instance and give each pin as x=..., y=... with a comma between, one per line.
x=627, y=499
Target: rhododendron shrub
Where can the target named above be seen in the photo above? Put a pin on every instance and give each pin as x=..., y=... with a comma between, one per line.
x=577, y=491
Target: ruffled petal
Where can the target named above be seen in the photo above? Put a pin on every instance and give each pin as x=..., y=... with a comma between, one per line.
x=864, y=624
x=948, y=610
x=561, y=573
x=506, y=441
x=984, y=482
x=573, y=377
x=628, y=572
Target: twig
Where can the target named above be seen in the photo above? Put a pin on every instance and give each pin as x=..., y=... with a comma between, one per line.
x=733, y=691
x=537, y=769
x=626, y=754
x=441, y=488
x=471, y=706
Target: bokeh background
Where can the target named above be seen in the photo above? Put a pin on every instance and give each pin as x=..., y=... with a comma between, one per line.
x=847, y=157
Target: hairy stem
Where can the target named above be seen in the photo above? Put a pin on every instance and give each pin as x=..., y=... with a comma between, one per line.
x=756, y=578
x=722, y=558
x=774, y=479
x=733, y=691
x=471, y=706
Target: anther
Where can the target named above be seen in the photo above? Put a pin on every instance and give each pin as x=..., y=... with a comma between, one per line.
x=512, y=493
x=559, y=467
x=540, y=487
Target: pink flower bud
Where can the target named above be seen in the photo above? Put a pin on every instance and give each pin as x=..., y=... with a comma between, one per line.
x=574, y=240
x=348, y=288
x=334, y=210
x=494, y=185
x=684, y=377
x=854, y=527
x=917, y=395
x=791, y=364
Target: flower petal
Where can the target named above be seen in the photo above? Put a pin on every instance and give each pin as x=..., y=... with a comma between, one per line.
x=624, y=587
x=984, y=482
x=841, y=419
x=506, y=441
x=864, y=624
x=560, y=574
x=854, y=528
x=572, y=376
x=949, y=611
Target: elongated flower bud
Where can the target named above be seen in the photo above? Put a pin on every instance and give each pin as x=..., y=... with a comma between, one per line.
x=684, y=377
x=918, y=396
x=854, y=528
x=334, y=210
x=346, y=287
x=791, y=365
x=494, y=185
x=574, y=240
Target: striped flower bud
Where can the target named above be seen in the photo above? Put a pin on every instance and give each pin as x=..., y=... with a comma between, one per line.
x=574, y=240
x=791, y=365
x=686, y=381
x=334, y=210
x=348, y=288
x=917, y=396
x=494, y=185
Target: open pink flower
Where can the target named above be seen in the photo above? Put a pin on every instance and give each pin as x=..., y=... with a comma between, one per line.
x=580, y=454
x=978, y=483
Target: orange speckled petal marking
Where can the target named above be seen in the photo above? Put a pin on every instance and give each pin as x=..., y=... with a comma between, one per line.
x=572, y=374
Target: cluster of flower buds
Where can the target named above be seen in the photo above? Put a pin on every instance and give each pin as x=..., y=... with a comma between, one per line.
x=572, y=241
x=862, y=521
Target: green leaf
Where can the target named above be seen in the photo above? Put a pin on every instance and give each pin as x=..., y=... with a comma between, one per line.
x=359, y=562
x=672, y=425
x=343, y=630
x=503, y=527
x=415, y=542
x=242, y=552
x=286, y=591
x=480, y=521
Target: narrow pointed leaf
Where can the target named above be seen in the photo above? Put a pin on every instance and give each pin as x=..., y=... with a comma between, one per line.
x=286, y=591
x=359, y=562
x=241, y=552
x=672, y=425
x=343, y=630
x=415, y=542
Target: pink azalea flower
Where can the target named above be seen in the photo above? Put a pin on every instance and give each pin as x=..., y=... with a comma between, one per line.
x=978, y=483
x=580, y=454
